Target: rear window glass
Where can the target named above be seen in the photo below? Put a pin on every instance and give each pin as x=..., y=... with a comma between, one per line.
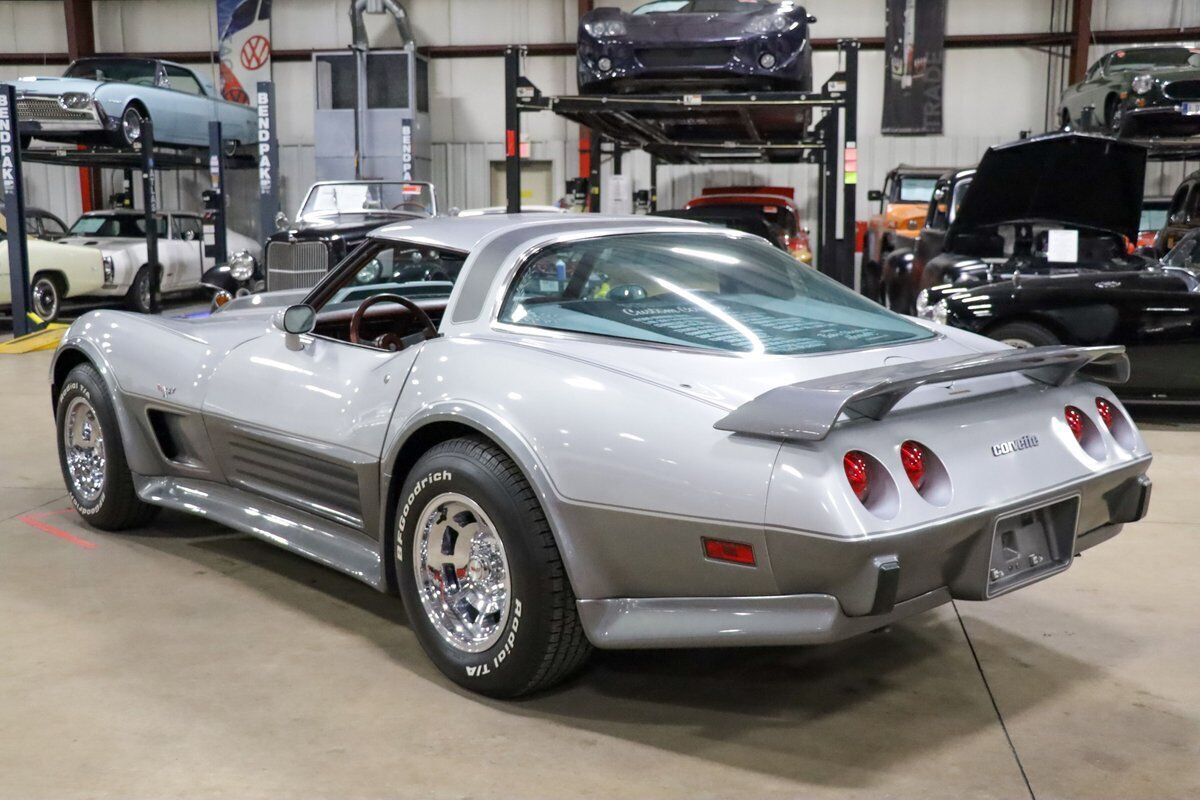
x=708, y=291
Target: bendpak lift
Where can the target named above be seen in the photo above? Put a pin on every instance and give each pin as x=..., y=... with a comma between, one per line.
x=753, y=128
x=146, y=159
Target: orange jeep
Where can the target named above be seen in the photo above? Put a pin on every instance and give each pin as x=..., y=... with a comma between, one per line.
x=903, y=204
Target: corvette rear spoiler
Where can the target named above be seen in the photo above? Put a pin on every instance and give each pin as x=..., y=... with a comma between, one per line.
x=807, y=411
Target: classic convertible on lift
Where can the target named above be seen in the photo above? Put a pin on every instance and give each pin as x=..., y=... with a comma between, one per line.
x=567, y=441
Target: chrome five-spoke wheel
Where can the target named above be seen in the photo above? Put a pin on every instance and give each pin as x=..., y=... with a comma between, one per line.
x=83, y=447
x=462, y=573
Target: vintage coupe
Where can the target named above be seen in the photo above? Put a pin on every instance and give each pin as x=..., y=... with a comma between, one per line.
x=120, y=234
x=56, y=271
x=689, y=44
x=620, y=432
x=335, y=218
x=1138, y=91
x=106, y=100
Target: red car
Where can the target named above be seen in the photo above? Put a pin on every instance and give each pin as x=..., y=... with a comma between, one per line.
x=777, y=205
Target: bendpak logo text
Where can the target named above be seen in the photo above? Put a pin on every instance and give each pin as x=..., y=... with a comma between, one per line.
x=1013, y=445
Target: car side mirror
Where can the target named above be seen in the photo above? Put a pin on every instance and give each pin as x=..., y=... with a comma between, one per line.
x=811, y=19
x=874, y=195
x=189, y=236
x=281, y=220
x=295, y=321
x=1178, y=218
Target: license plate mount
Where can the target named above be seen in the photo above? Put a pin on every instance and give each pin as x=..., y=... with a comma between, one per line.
x=1031, y=544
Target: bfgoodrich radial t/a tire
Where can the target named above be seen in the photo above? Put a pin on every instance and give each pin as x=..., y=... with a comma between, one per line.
x=481, y=576
x=92, y=456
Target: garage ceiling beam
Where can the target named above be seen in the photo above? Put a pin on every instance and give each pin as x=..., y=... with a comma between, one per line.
x=81, y=29
x=964, y=41
x=1081, y=38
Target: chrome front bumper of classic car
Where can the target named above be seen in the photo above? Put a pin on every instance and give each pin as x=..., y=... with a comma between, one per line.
x=43, y=114
x=1171, y=120
x=902, y=574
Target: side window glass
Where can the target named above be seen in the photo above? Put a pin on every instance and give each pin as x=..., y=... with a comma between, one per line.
x=1178, y=200
x=1192, y=209
x=181, y=80
x=187, y=228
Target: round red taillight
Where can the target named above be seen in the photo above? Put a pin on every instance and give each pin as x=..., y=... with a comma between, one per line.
x=912, y=456
x=855, y=464
x=1074, y=421
x=1106, y=411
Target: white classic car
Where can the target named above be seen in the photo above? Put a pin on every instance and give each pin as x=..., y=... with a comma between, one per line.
x=57, y=271
x=120, y=235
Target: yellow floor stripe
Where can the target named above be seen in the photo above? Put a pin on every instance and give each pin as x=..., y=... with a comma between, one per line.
x=47, y=339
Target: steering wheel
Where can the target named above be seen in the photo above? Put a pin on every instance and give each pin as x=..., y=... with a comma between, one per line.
x=391, y=341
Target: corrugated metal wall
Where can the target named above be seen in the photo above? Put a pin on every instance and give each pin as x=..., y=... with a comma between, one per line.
x=991, y=94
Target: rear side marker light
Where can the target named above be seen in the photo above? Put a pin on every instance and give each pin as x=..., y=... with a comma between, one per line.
x=1106, y=411
x=913, y=457
x=855, y=465
x=1074, y=419
x=733, y=552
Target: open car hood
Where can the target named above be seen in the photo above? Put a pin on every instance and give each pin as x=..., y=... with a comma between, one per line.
x=1069, y=178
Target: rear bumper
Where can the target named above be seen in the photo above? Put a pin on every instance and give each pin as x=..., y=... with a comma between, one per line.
x=861, y=584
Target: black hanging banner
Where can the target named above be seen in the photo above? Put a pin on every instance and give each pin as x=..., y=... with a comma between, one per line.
x=14, y=210
x=912, y=81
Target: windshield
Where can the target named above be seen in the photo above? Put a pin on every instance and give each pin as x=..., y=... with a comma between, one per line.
x=707, y=291
x=124, y=70
x=409, y=270
x=914, y=189
x=124, y=225
x=369, y=198
x=701, y=6
x=1186, y=253
x=1153, y=219
x=1154, y=57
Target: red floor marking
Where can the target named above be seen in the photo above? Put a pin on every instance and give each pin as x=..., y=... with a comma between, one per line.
x=33, y=522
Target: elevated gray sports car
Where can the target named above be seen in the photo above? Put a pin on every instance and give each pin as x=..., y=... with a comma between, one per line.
x=554, y=432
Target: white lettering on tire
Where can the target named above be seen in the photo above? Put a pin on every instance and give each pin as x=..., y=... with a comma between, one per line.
x=433, y=477
x=486, y=668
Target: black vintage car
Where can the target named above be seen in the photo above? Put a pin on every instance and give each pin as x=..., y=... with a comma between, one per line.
x=336, y=217
x=1183, y=214
x=1040, y=253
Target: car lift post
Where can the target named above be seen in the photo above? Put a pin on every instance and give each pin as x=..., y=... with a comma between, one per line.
x=597, y=145
x=150, y=206
x=653, y=183
x=512, y=131
x=14, y=209
x=845, y=263
x=219, y=251
x=267, y=156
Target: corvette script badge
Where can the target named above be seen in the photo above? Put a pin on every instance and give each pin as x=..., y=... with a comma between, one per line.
x=1013, y=445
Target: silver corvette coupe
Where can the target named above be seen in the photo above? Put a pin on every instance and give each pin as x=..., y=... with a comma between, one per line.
x=549, y=433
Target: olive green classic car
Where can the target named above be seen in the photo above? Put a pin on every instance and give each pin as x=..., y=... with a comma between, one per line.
x=1137, y=91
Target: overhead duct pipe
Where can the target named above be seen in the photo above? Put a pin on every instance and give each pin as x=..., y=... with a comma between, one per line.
x=361, y=46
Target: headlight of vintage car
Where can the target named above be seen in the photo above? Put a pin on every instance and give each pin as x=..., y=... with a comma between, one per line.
x=1142, y=83
x=369, y=273
x=110, y=272
x=241, y=266
x=765, y=24
x=605, y=27
x=74, y=101
x=936, y=312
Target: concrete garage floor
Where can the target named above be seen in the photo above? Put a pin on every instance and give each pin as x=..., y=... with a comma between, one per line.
x=186, y=660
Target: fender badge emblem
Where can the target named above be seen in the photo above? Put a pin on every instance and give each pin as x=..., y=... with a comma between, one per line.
x=165, y=391
x=1013, y=445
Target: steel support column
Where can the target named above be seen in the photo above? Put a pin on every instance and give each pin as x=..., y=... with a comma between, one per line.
x=81, y=43
x=1081, y=38
x=512, y=131
x=150, y=208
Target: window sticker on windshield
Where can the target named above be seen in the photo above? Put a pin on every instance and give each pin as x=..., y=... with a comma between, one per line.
x=1062, y=247
x=410, y=189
